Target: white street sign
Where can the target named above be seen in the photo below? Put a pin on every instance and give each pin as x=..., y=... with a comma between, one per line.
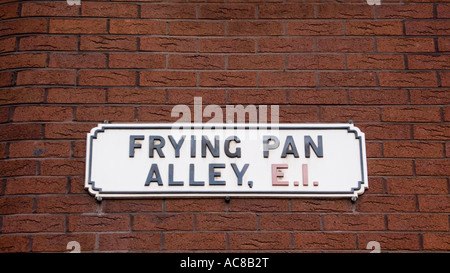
x=211, y=160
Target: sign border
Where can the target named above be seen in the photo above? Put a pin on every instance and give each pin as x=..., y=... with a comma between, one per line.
x=353, y=193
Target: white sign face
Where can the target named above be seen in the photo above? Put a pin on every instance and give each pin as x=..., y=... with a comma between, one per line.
x=210, y=160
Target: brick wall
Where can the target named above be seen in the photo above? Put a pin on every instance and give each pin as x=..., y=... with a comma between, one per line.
x=66, y=68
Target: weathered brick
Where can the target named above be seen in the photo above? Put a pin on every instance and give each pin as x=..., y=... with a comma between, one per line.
x=163, y=222
x=259, y=240
x=195, y=241
x=99, y=223
x=417, y=222
x=226, y=221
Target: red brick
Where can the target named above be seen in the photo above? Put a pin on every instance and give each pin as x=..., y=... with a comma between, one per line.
x=226, y=45
x=317, y=96
x=357, y=222
x=316, y=61
x=18, y=167
x=99, y=223
x=137, y=60
x=51, y=9
x=375, y=61
x=344, y=114
x=136, y=95
x=77, y=185
x=4, y=114
x=168, y=78
x=39, y=149
x=46, y=77
x=197, y=28
x=314, y=28
x=429, y=62
x=195, y=205
x=128, y=26
x=111, y=113
x=257, y=96
x=444, y=44
x=263, y=61
x=58, y=242
x=321, y=205
x=411, y=114
x=445, y=78
x=287, y=79
x=390, y=167
x=14, y=243
x=6, y=79
x=168, y=11
x=413, y=149
x=259, y=205
x=226, y=221
x=357, y=79
x=259, y=240
x=33, y=223
x=78, y=26
x=76, y=95
x=405, y=11
x=23, y=60
x=43, y=113
x=422, y=185
x=109, y=10
x=195, y=241
x=343, y=11
x=168, y=44
x=67, y=130
x=20, y=131
x=9, y=11
x=66, y=204
x=106, y=78
x=48, y=42
x=58, y=167
x=345, y=44
x=435, y=27
x=285, y=11
x=16, y=205
x=430, y=96
x=390, y=241
x=436, y=241
x=299, y=114
x=24, y=26
x=378, y=96
x=324, y=240
x=443, y=10
x=255, y=28
x=156, y=114
x=434, y=203
x=408, y=79
x=77, y=60
x=197, y=61
x=79, y=149
x=435, y=131
x=229, y=11
x=374, y=28
x=129, y=241
x=386, y=203
x=21, y=95
x=186, y=96
x=403, y=45
x=151, y=205
x=163, y=222
x=290, y=222
x=434, y=167
x=36, y=185
x=227, y=79
x=108, y=43
x=7, y=44
x=418, y=222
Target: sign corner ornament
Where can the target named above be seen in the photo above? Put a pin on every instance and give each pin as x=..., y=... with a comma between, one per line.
x=220, y=160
